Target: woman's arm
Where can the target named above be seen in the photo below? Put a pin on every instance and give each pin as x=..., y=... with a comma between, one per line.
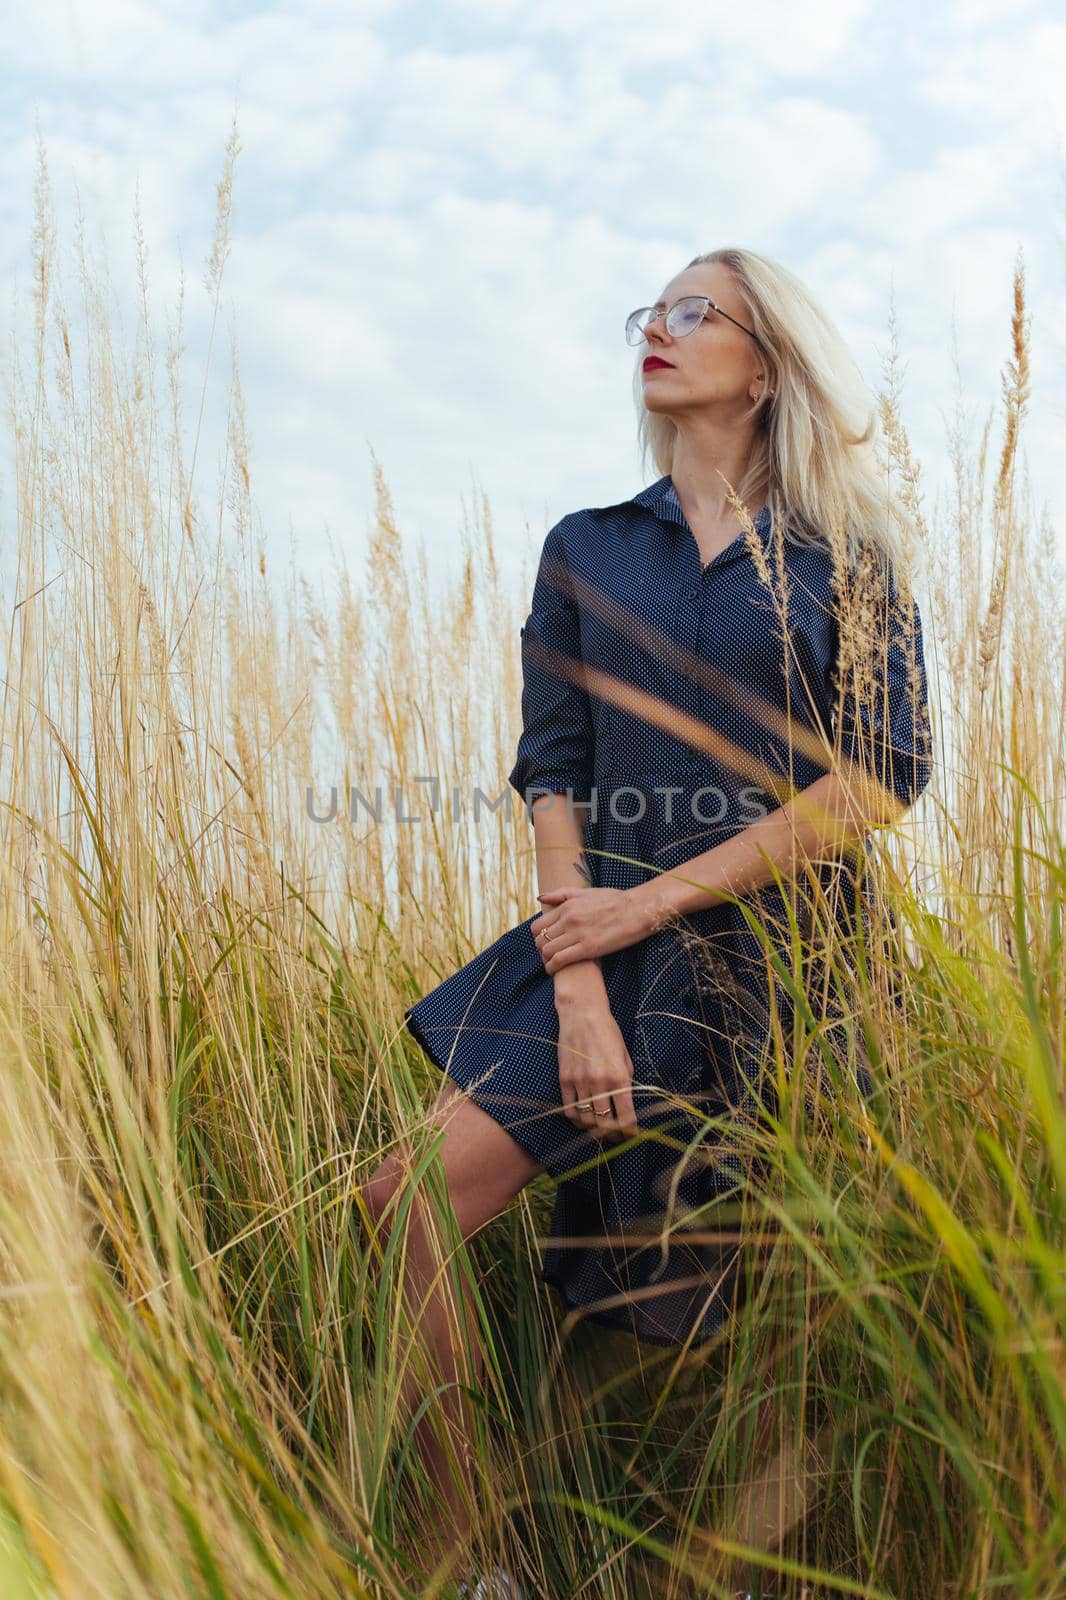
x=578, y=923
x=595, y=1067
x=816, y=824
x=555, y=750
x=557, y=829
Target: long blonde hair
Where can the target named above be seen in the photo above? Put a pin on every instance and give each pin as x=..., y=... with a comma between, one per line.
x=816, y=451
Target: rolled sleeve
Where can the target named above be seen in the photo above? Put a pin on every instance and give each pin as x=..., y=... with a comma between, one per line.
x=555, y=749
x=883, y=710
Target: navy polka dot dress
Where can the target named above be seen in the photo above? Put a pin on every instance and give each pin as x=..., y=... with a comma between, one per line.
x=698, y=655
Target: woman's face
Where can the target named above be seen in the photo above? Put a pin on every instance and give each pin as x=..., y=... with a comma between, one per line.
x=717, y=365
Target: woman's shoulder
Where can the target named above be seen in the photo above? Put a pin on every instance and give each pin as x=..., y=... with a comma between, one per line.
x=591, y=515
x=589, y=529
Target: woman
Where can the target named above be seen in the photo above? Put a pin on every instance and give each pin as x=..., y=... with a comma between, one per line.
x=696, y=734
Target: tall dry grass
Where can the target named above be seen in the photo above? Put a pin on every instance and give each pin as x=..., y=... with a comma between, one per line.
x=200, y=1359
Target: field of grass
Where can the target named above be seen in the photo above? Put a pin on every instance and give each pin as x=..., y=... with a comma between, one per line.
x=203, y=1058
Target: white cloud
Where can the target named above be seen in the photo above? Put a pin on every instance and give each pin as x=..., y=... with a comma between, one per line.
x=762, y=34
x=970, y=14
x=1008, y=77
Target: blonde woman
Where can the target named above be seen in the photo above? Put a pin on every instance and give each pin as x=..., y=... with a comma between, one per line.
x=696, y=718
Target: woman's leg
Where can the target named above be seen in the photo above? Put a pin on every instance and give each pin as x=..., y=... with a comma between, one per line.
x=484, y=1169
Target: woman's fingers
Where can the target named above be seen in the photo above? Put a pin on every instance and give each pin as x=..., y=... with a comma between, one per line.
x=546, y=941
x=622, y=1122
x=561, y=955
x=586, y=1107
x=545, y=921
x=596, y=1075
x=558, y=947
x=581, y=1099
x=584, y=1098
x=625, y=1116
x=589, y=1106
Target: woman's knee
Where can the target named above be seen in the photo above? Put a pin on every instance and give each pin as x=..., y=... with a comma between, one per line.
x=377, y=1194
x=484, y=1166
x=381, y=1195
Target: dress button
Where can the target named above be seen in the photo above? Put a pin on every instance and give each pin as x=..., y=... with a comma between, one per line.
x=694, y=594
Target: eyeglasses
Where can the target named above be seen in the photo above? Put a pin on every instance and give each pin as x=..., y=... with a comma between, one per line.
x=683, y=317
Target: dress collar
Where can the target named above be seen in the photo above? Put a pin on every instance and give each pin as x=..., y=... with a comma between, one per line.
x=661, y=497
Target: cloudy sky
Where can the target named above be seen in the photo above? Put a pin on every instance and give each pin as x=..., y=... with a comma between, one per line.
x=444, y=212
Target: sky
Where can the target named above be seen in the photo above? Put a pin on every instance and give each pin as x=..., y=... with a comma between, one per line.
x=443, y=214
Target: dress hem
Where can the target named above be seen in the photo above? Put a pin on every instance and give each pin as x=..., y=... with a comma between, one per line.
x=604, y=1319
x=415, y=1030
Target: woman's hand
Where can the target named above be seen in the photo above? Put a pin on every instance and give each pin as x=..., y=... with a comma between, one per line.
x=580, y=923
x=595, y=1070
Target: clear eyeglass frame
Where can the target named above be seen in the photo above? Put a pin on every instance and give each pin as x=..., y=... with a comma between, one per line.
x=683, y=318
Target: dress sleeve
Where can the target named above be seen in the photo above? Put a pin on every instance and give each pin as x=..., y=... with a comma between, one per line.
x=883, y=708
x=555, y=750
